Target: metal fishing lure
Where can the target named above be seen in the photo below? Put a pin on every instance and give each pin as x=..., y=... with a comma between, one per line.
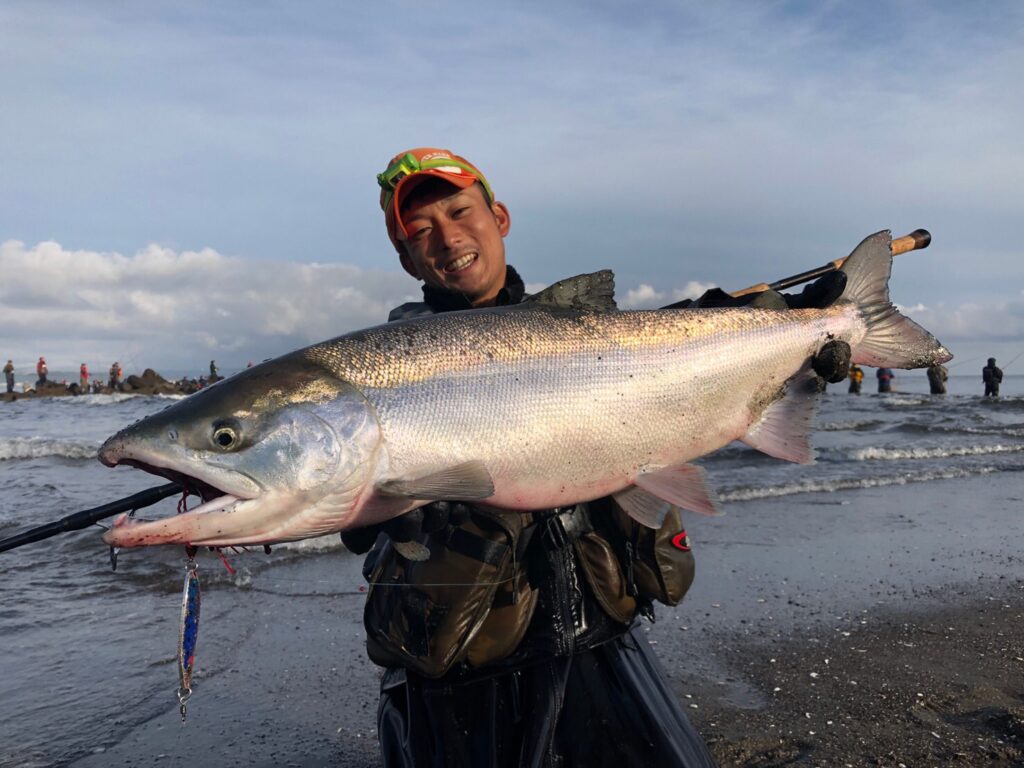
x=189, y=631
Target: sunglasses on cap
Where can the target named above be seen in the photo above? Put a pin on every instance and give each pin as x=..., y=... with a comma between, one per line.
x=408, y=164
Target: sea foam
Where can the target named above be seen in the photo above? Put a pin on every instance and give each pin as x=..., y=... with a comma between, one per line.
x=943, y=452
x=847, y=484
x=41, y=447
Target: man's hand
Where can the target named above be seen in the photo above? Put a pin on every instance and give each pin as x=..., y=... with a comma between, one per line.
x=408, y=527
x=822, y=293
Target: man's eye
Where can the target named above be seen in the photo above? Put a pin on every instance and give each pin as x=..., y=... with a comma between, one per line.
x=419, y=234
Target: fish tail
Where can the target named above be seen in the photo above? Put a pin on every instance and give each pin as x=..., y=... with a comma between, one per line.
x=892, y=340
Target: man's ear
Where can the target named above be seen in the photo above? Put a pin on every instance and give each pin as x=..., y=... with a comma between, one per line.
x=502, y=217
x=408, y=265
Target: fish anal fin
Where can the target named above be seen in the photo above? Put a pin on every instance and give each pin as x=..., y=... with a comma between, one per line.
x=784, y=429
x=684, y=486
x=469, y=481
x=646, y=509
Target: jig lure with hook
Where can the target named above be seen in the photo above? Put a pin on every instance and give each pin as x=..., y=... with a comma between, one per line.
x=189, y=631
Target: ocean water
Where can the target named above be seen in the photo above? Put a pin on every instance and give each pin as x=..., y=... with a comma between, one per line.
x=79, y=638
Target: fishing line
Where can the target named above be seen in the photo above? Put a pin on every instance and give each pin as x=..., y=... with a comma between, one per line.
x=361, y=590
x=1014, y=360
x=963, y=362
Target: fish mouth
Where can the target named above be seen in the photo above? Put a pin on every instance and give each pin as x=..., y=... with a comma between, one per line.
x=206, y=524
x=190, y=486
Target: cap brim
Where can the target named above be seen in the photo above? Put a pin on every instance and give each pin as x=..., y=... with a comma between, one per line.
x=409, y=183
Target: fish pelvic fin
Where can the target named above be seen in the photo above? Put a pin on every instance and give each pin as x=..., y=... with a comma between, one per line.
x=784, y=428
x=648, y=501
x=892, y=340
x=411, y=550
x=595, y=290
x=469, y=481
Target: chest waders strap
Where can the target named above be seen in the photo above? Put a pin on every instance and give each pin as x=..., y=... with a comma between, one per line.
x=469, y=544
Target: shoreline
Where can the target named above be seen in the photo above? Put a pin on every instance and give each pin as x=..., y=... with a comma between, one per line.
x=942, y=685
x=871, y=581
x=149, y=383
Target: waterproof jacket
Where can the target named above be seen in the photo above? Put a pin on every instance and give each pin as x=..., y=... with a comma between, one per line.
x=991, y=374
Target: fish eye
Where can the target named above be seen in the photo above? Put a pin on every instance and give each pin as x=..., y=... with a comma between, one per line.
x=226, y=435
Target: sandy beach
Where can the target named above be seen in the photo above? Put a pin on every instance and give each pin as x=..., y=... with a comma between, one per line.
x=876, y=627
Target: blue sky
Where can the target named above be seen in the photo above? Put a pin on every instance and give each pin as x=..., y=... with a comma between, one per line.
x=183, y=181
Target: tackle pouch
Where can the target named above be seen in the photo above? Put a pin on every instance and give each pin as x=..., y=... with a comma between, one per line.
x=469, y=601
x=661, y=561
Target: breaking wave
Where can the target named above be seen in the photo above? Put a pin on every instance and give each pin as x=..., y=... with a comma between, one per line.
x=902, y=401
x=853, y=425
x=111, y=399
x=895, y=454
x=847, y=484
x=41, y=447
x=114, y=398
x=319, y=544
x=924, y=428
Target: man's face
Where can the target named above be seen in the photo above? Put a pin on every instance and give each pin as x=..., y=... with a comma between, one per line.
x=455, y=241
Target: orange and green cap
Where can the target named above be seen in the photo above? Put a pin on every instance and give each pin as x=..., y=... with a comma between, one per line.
x=408, y=168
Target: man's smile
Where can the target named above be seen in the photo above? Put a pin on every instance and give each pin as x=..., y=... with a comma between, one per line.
x=461, y=263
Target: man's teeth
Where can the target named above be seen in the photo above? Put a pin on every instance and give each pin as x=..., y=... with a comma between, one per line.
x=460, y=263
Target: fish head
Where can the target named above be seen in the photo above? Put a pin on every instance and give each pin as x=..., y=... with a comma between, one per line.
x=279, y=452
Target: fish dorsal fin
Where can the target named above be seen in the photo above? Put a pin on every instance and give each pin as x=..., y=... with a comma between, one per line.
x=684, y=486
x=595, y=290
x=469, y=481
x=784, y=429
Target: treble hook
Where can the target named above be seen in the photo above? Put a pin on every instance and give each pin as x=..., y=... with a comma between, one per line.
x=115, y=551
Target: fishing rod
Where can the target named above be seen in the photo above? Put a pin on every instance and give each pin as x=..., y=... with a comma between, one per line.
x=915, y=241
x=87, y=517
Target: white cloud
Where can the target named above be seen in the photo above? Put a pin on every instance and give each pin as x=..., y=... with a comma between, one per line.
x=167, y=309
x=175, y=308
x=970, y=321
x=647, y=297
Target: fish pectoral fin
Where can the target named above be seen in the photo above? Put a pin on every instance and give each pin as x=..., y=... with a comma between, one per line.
x=655, y=491
x=469, y=481
x=784, y=429
x=595, y=290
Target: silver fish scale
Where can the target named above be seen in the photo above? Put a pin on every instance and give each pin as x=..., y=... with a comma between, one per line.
x=580, y=401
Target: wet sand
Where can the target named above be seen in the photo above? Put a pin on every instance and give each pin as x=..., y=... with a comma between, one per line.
x=877, y=627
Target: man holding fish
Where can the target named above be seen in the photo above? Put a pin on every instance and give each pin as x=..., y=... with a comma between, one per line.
x=533, y=701
x=526, y=460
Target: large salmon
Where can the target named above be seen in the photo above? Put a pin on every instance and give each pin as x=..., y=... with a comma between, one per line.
x=540, y=405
